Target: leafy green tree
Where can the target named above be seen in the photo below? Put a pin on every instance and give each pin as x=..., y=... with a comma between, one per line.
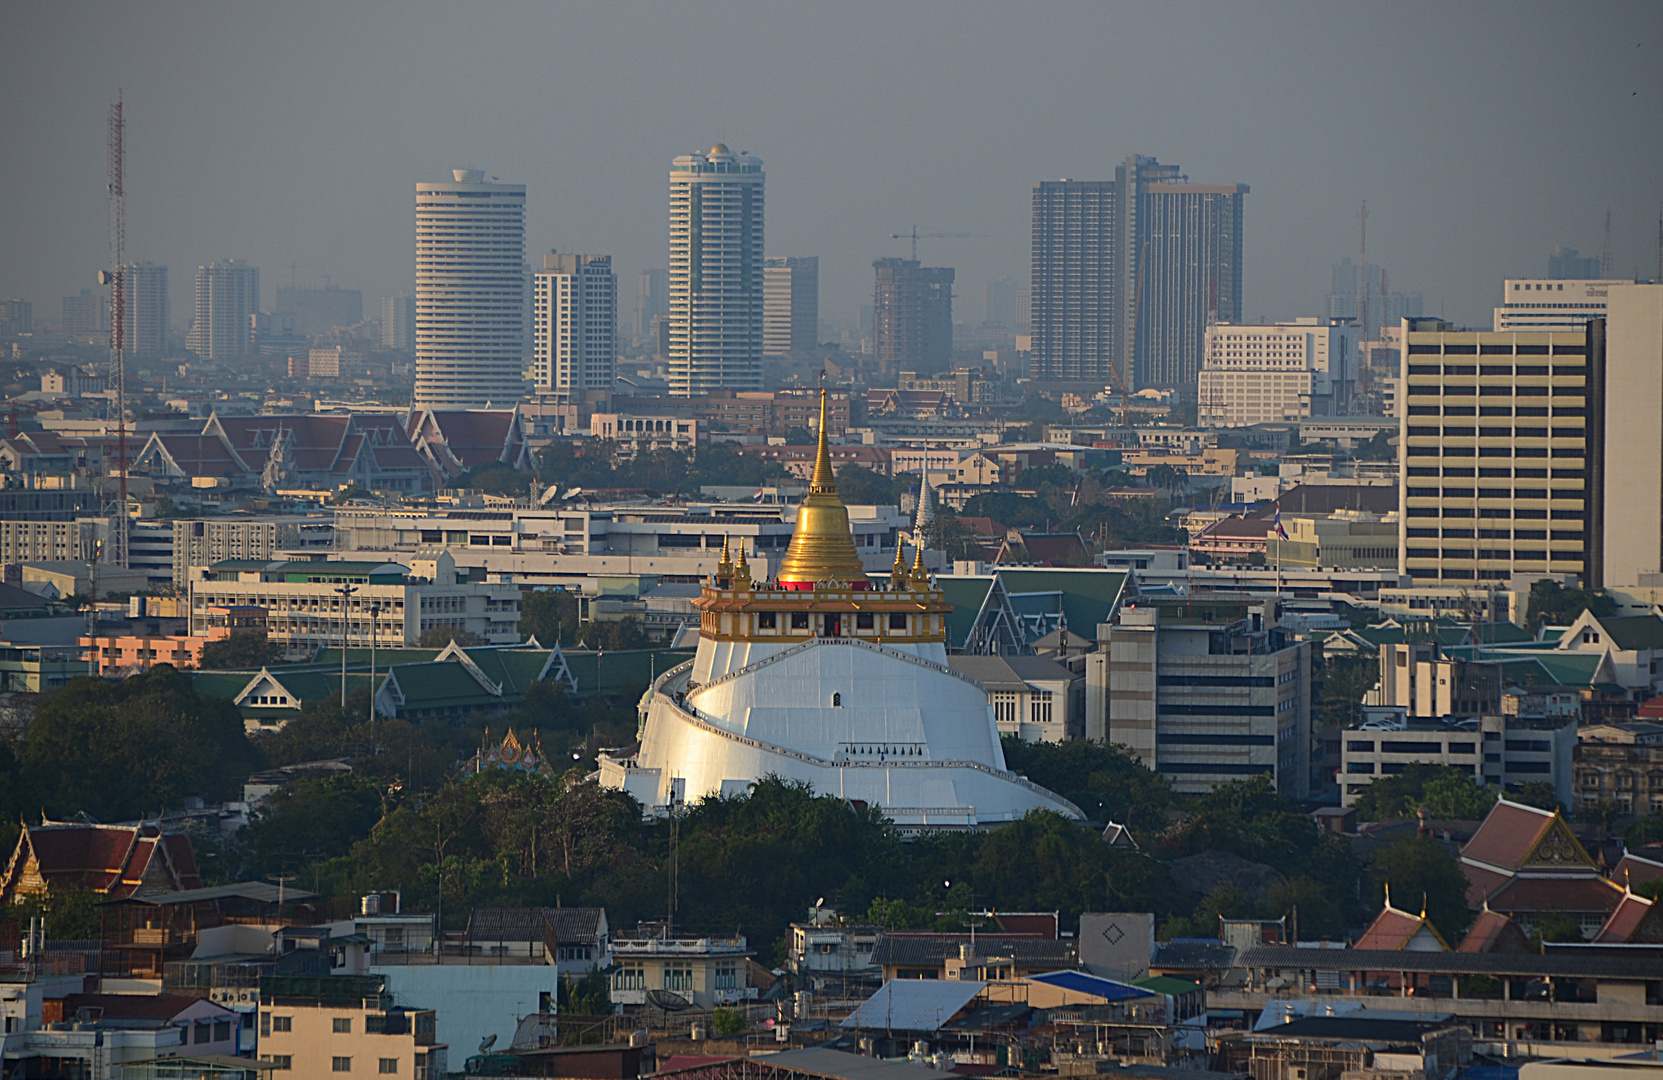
x=1558, y=927
x=1308, y=902
x=862, y=487
x=1048, y=856
x=1417, y=867
x=1647, y=830
x=1228, y=901
x=590, y=996
x=437, y=637
x=242, y=649
x=1446, y=792
x=1103, y=779
x=1537, y=793
x=550, y=616
x=496, y=480
x=72, y=913
x=727, y=1022
x=1553, y=604
x=310, y=819
x=1345, y=679
x=119, y=750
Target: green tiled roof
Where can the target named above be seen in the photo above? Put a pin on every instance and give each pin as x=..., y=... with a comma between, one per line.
x=620, y=671
x=446, y=687
x=967, y=595
x=1166, y=984
x=1635, y=631
x=1088, y=596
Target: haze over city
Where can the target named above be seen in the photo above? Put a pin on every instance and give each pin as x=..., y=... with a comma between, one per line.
x=292, y=135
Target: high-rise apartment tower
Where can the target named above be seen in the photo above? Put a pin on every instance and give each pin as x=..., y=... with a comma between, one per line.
x=148, y=315
x=1096, y=241
x=398, y=323
x=574, y=306
x=912, y=316
x=471, y=281
x=716, y=272
x=227, y=298
x=790, y=304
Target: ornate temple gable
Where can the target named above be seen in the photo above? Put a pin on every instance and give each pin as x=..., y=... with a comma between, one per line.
x=1558, y=849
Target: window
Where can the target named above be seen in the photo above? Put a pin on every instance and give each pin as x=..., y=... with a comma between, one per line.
x=279, y=1061
x=1039, y=708
x=630, y=977
x=222, y=1030
x=766, y=620
x=897, y=622
x=1004, y=708
x=282, y=1023
x=678, y=979
x=799, y=620
x=204, y=1033
x=837, y=700
x=727, y=978
x=340, y=1064
x=343, y=1025
x=265, y=1024
x=389, y=1067
x=863, y=621
x=1359, y=767
x=1360, y=746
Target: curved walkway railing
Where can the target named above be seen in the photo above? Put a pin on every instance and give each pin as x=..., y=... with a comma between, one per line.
x=795, y=650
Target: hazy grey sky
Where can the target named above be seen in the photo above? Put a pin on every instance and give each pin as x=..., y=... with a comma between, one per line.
x=1479, y=134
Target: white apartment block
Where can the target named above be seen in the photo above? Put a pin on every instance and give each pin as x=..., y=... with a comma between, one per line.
x=1273, y=373
x=148, y=318
x=471, y=285
x=227, y=299
x=574, y=320
x=305, y=609
x=1494, y=458
x=1551, y=304
x=52, y=541
x=398, y=323
x=716, y=272
x=635, y=433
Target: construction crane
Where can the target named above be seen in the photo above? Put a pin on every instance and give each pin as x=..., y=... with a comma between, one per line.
x=116, y=279
x=914, y=236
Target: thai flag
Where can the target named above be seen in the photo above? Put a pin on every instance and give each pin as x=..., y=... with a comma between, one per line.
x=1277, y=523
x=758, y=496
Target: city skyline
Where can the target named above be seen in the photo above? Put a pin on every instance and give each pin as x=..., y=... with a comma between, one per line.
x=198, y=190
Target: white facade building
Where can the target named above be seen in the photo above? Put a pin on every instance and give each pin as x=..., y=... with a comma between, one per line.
x=1632, y=451
x=716, y=272
x=574, y=318
x=1551, y=304
x=1273, y=373
x=227, y=299
x=470, y=292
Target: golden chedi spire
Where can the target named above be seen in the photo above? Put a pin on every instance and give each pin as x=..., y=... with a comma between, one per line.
x=898, y=573
x=822, y=547
x=741, y=569
x=920, y=576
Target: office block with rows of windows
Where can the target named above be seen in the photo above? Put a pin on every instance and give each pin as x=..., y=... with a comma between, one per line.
x=1494, y=454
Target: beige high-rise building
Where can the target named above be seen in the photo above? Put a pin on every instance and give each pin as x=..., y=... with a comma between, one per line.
x=716, y=272
x=471, y=283
x=790, y=304
x=1630, y=478
x=227, y=298
x=1495, y=456
x=148, y=316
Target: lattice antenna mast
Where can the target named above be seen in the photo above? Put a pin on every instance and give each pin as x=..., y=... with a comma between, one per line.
x=116, y=278
x=1607, y=264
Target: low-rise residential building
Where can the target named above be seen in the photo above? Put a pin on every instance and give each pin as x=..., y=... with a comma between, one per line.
x=1621, y=764
x=576, y=940
x=827, y=952
x=704, y=972
x=205, y=541
x=1032, y=697
x=102, y=1036
x=325, y=1025
x=319, y=603
x=52, y=541
x=1204, y=694
x=639, y=431
x=1632, y=643
x=1343, y=540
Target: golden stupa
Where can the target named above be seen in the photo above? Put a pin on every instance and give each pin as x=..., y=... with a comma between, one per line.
x=822, y=546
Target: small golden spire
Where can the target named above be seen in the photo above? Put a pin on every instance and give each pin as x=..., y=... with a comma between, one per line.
x=898, y=573
x=920, y=576
x=741, y=569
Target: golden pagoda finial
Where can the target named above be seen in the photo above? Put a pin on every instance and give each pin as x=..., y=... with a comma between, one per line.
x=1388, y=894
x=726, y=562
x=825, y=479
x=822, y=546
x=920, y=576
x=1423, y=905
x=898, y=573
x=741, y=569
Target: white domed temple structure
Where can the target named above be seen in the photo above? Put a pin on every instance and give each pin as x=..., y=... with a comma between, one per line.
x=826, y=677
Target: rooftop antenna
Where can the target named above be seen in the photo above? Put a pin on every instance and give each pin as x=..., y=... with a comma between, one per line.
x=115, y=278
x=1605, y=260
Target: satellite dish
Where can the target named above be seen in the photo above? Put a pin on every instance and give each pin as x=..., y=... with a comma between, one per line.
x=487, y=1042
x=668, y=1000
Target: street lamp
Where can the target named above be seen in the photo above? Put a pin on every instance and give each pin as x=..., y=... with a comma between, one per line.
x=375, y=612
x=346, y=592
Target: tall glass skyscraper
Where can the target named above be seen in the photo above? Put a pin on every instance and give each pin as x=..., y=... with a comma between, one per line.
x=716, y=272
x=471, y=284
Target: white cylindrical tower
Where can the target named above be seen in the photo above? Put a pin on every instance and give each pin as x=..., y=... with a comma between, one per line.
x=470, y=292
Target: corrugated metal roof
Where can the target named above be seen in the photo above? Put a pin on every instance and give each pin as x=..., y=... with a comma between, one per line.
x=914, y=1004
x=1644, y=964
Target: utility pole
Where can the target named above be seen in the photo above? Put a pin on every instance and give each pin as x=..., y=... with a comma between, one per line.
x=1607, y=267
x=346, y=592
x=375, y=612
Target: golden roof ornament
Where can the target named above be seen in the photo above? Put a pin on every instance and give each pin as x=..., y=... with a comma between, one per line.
x=741, y=569
x=898, y=573
x=920, y=576
x=822, y=546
